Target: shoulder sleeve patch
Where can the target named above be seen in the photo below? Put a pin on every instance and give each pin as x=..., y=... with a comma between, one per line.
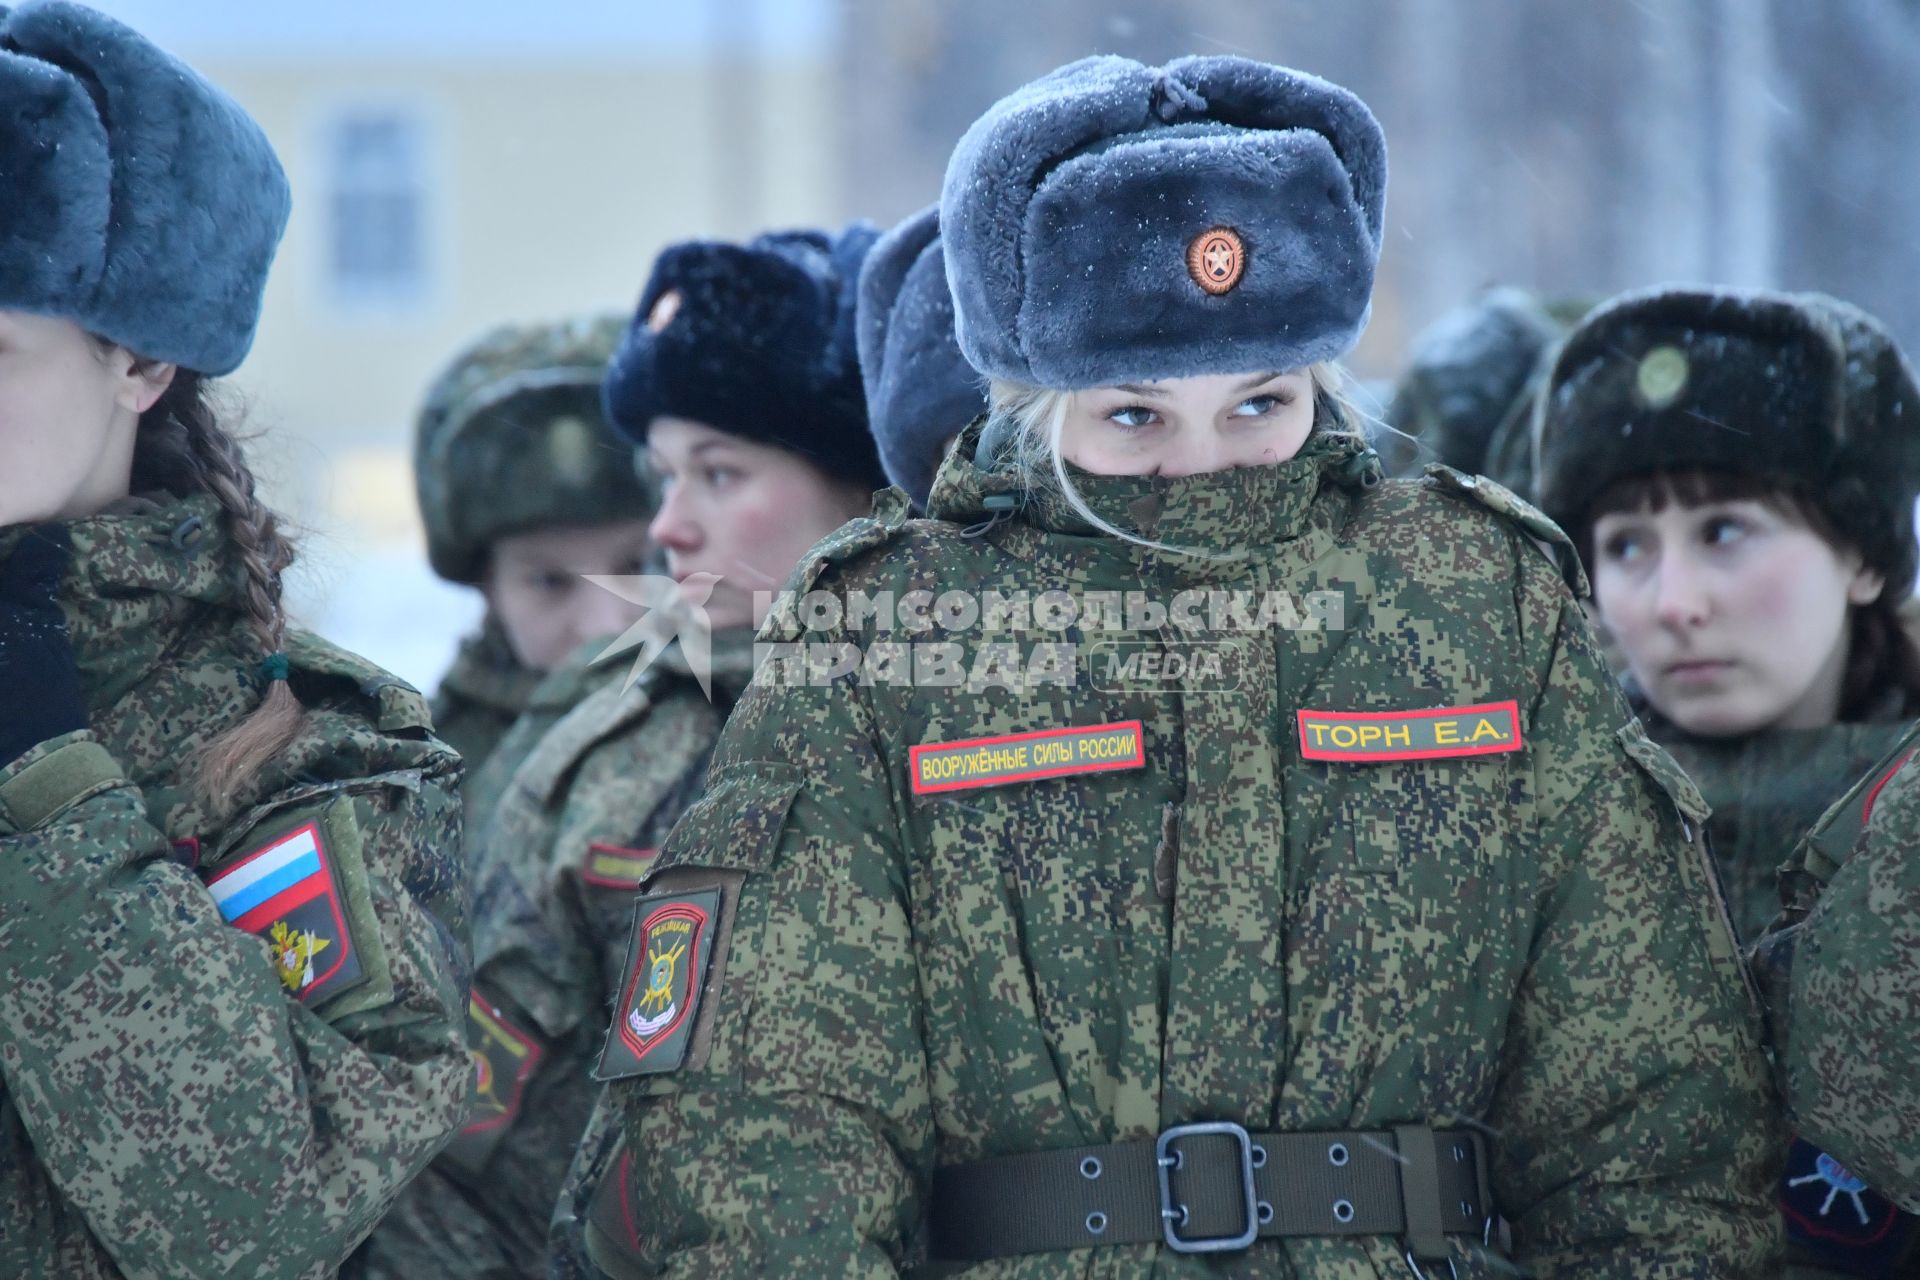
x=891, y=511
x=683, y=926
x=1496, y=497
x=505, y=1057
x=664, y=986
x=611, y=866
x=290, y=891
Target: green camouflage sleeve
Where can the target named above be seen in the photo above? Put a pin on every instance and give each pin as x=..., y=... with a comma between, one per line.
x=201, y=1119
x=481, y=1209
x=1635, y=1123
x=1849, y=1063
x=801, y=1143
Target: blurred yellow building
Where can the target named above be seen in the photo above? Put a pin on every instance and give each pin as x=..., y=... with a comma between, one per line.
x=454, y=167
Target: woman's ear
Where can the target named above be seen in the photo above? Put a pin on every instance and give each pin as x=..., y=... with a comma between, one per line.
x=143, y=383
x=1865, y=586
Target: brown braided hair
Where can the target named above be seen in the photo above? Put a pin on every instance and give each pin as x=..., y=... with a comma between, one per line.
x=181, y=447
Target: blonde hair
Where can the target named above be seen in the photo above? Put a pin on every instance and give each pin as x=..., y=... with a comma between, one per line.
x=1039, y=414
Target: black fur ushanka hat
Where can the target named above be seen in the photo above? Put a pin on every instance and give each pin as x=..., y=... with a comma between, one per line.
x=1797, y=388
x=756, y=340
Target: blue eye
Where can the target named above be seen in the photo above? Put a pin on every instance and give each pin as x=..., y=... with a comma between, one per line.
x=1624, y=547
x=1721, y=530
x=1257, y=406
x=721, y=477
x=1132, y=417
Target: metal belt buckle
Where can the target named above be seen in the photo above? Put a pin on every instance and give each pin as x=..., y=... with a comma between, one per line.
x=1174, y=1216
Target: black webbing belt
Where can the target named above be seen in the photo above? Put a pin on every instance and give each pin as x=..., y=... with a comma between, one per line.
x=1202, y=1188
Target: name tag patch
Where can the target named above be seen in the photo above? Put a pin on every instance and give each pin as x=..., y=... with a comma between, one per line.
x=666, y=978
x=1025, y=757
x=612, y=867
x=1441, y=733
x=288, y=893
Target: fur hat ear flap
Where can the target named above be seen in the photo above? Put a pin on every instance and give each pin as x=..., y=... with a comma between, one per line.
x=55, y=169
x=921, y=391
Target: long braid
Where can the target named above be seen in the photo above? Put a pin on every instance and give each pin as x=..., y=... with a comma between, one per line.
x=183, y=448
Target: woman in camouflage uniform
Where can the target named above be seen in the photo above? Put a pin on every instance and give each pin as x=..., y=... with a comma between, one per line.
x=1739, y=472
x=1003, y=951
x=739, y=377
x=1845, y=971
x=231, y=918
x=524, y=491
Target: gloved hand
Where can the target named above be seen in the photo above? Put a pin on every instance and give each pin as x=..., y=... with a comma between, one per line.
x=40, y=696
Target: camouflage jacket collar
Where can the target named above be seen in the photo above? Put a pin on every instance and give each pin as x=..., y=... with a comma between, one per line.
x=1228, y=517
x=485, y=671
x=144, y=573
x=729, y=659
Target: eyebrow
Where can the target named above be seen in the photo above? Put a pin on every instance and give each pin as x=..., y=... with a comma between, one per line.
x=1160, y=393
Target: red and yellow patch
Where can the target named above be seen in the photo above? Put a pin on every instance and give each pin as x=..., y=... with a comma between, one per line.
x=1441, y=733
x=666, y=979
x=612, y=867
x=504, y=1060
x=1025, y=757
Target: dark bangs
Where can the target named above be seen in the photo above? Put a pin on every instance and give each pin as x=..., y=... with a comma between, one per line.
x=1652, y=492
x=1882, y=658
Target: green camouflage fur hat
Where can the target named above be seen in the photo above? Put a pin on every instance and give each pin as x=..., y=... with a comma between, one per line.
x=512, y=437
x=1797, y=388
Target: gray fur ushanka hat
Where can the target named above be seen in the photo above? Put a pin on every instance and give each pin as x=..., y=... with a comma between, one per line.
x=1799, y=389
x=920, y=389
x=1468, y=387
x=1114, y=222
x=136, y=199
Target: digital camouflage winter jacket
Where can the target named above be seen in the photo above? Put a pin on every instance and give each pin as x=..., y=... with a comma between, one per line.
x=479, y=698
x=1838, y=970
x=577, y=826
x=1767, y=790
x=1398, y=854
x=1853, y=1038
x=558, y=693
x=226, y=1040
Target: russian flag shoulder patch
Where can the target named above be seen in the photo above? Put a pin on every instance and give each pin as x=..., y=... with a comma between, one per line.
x=288, y=892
